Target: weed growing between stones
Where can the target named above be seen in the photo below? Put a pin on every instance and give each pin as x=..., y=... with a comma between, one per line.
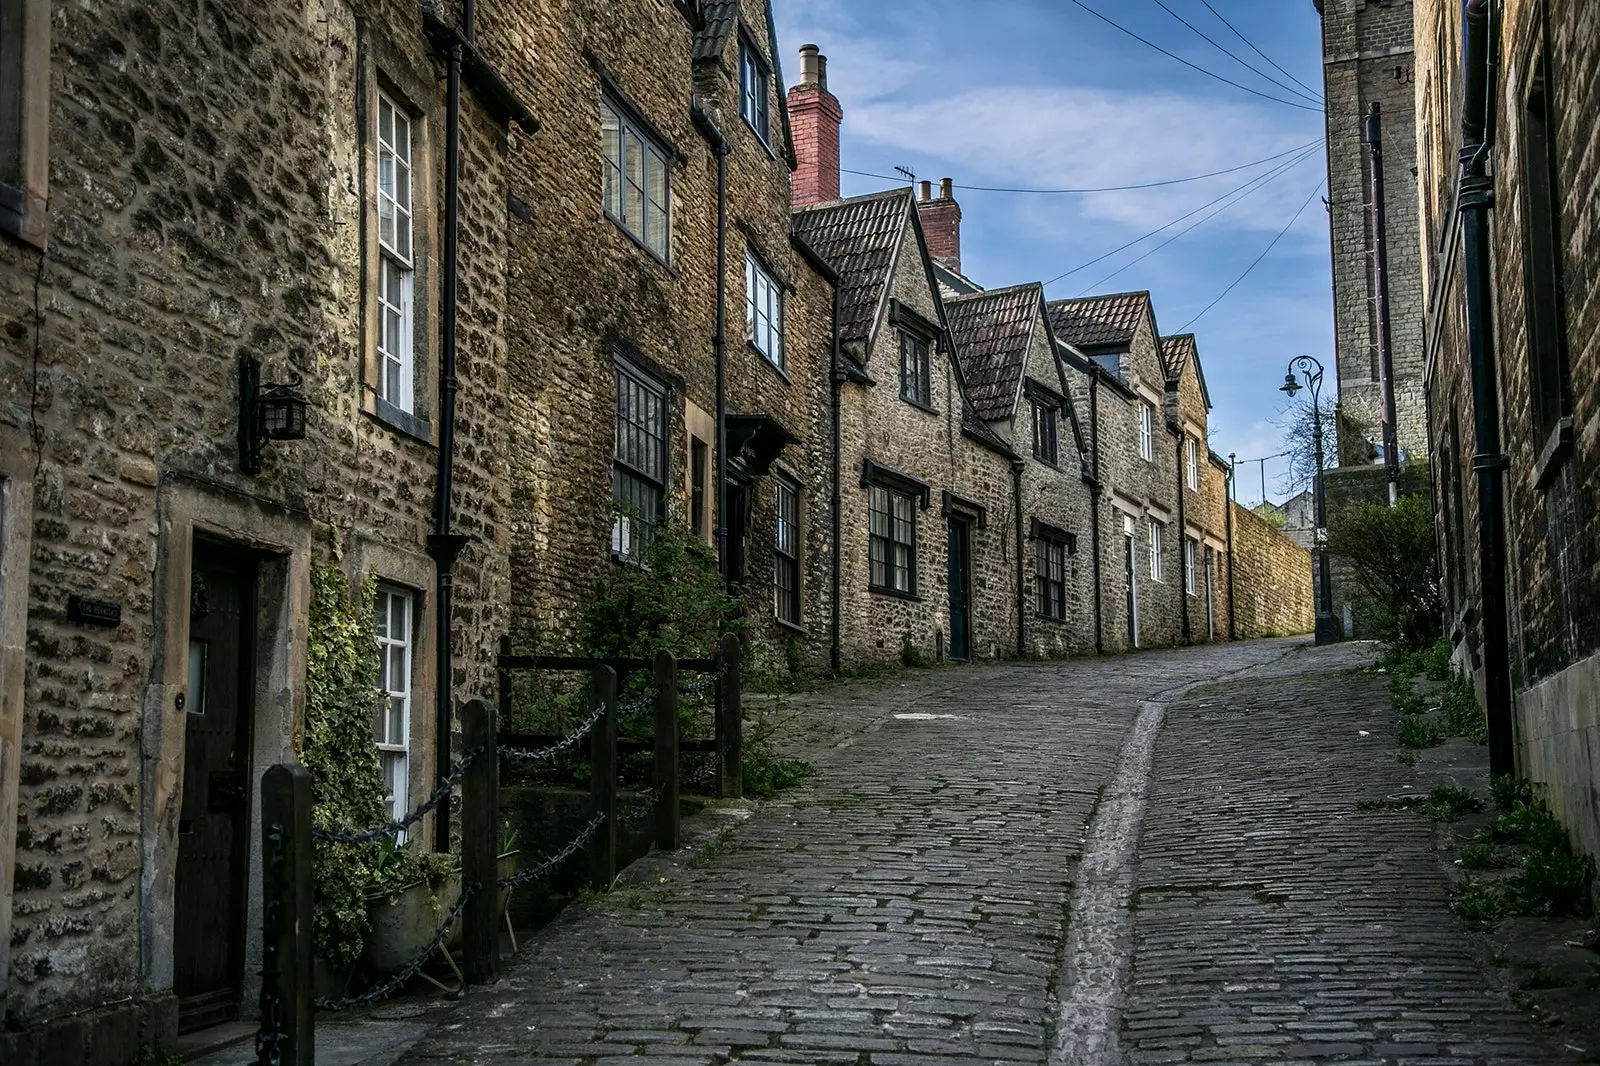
x=1547, y=879
x=1448, y=804
x=1484, y=856
x=910, y=655
x=1416, y=733
x=1508, y=791
x=1459, y=712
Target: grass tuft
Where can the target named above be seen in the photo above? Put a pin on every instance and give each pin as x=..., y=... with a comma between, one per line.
x=1449, y=804
x=1416, y=733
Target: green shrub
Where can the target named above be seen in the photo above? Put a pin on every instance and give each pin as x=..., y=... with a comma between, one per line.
x=911, y=655
x=1391, y=554
x=672, y=600
x=1448, y=804
x=1552, y=880
x=1435, y=662
x=1480, y=856
x=1459, y=711
x=1416, y=733
x=1508, y=791
x=1478, y=902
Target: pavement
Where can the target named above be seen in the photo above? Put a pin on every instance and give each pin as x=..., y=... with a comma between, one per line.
x=1156, y=858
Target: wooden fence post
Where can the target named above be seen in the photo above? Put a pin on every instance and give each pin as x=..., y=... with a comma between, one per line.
x=603, y=779
x=666, y=682
x=730, y=722
x=480, y=810
x=286, y=877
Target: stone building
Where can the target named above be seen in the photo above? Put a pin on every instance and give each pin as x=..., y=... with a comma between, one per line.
x=1368, y=59
x=194, y=200
x=1534, y=377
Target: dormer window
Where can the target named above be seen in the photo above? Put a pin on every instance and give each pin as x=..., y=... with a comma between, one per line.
x=754, y=103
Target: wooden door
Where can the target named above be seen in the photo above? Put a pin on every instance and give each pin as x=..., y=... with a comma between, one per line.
x=1133, y=596
x=960, y=609
x=213, y=826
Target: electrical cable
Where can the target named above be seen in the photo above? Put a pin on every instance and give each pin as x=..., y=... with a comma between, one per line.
x=1253, y=48
x=1153, y=233
x=1195, y=66
x=1251, y=268
x=1260, y=183
x=1258, y=72
x=1106, y=188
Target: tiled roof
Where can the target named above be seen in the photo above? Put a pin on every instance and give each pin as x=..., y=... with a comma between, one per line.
x=991, y=331
x=856, y=237
x=1099, y=321
x=980, y=431
x=1176, y=353
x=719, y=18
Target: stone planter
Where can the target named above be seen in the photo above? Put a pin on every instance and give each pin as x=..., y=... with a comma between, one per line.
x=402, y=928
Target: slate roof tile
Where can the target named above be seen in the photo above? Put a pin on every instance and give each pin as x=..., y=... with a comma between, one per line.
x=1099, y=321
x=719, y=17
x=1176, y=353
x=992, y=331
x=856, y=237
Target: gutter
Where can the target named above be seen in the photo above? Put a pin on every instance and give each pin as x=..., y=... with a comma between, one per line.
x=1183, y=548
x=1094, y=506
x=1233, y=620
x=1022, y=596
x=1489, y=461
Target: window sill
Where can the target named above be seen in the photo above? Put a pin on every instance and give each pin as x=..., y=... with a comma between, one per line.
x=1052, y=465
x=1557, y=446
x=403, y=422
x=17, y=221
x=879, y=590
x=792, y=627
x=634, y=239
x=920, y=406
x=767, y=359
x=1049, y=618
x=762, y=141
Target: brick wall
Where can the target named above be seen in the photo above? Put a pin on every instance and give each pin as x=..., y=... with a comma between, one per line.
x=1272, y=586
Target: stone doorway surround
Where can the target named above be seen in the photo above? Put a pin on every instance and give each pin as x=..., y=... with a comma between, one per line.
x=16, y=539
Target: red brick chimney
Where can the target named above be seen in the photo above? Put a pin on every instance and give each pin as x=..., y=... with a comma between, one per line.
x=941, y=223
x=814, y=115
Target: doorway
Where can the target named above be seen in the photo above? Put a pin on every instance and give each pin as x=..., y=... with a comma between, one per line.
x=1132, y=589
x=960, y=567
x=1211, y=602
x=213, y=826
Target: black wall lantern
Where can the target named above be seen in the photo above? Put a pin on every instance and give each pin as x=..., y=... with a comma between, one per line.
x=266, y=412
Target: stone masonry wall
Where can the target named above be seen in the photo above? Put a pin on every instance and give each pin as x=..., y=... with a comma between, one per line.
x=1367, y=55
x=1272, y=580
x=206, y=204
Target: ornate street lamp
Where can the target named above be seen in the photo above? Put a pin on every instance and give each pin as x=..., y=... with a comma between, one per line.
x=1328, y=629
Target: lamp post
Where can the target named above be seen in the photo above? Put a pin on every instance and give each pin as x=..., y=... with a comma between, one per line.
x=1328, y=630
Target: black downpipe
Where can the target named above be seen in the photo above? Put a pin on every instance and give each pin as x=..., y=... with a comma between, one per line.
x=1227, y=511
x=444, y=545
x=1380, y=253
x=1489, y=462
x=1094, y=507
x=836, y=652
x=1022, y=595
x=1183, y=550
x=719, y=348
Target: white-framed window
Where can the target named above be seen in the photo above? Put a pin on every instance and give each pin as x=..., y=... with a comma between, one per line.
x=639, y=468
x=1191, y=548
x=637, y=186
x=396, y=266
x=1155, y=550
x=763, y=310
x=391, y=724
x=1147, y=432
x=754, y=103
x=786, y=552
x=1191, y=456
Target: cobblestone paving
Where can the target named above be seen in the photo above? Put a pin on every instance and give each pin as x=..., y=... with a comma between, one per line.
x=1274, y=921
x=907, y=908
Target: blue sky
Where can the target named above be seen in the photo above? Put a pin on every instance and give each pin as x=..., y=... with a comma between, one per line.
x=1041, y=94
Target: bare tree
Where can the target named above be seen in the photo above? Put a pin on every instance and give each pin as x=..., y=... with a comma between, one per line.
x=1346, y=441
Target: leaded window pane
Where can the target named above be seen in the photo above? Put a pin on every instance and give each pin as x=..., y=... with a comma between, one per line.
x=638, y=479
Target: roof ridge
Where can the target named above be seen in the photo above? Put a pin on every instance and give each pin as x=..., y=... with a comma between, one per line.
x=845, y=201
x=1102, y=296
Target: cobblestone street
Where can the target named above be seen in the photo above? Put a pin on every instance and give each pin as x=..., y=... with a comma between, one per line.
x=958, y=884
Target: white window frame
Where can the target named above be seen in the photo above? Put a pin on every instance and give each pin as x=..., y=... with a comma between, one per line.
x=763, y=311
x=394, y=754
x=1147, y=432
x=1191, y=548
x=1155, y=550
x=1192, y=457
x=396, y=283
x=755, y=94
x=630, y=200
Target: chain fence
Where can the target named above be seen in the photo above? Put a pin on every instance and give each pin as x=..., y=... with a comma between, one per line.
x=539, y=871
x=388, y=987
x=560, y=747
x=400, y=825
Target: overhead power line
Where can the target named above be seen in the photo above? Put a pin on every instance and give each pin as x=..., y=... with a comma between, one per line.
x=1253, y=47
x=1104, y=188
x=1257, y=71
x=1251, y=268
x=1153, y=233
x=1260, y=183
x=1195, y=66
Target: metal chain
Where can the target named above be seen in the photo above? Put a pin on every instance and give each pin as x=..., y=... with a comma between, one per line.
x=536, y=873
x=269, y=1034
x=643, y=807
x=637, y=704
x=561, y=746
x=451, y=780
x=699, y=687
x=388, y=987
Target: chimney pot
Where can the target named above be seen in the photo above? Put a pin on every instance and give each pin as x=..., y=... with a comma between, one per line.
x=946, y=189
x=813, y=67
x=925, y=191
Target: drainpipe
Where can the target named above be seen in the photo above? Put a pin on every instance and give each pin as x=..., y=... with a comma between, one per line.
x=1183, y=550
x=1227, y=510
x=444, y=545
x=1380, y=253
x=1094, y=505
x=719, y=348
x=1489, y=462
x=836, y=652
x=1022, y=596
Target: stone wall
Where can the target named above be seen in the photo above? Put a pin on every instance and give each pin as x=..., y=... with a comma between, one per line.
x=1367, y=57
x=1272, y=587
x=206, y=204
